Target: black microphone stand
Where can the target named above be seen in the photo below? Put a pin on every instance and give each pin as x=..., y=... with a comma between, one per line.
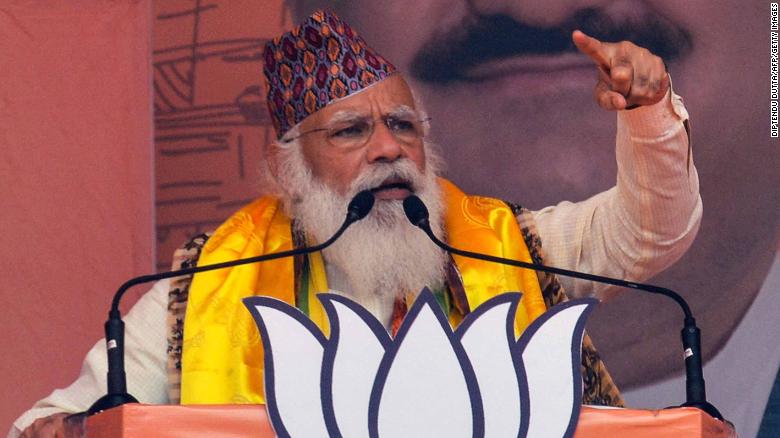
x=695, y=390
x=117, y=394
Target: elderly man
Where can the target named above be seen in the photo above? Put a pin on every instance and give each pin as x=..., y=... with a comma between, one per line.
x=347, y=121
x=494, y=71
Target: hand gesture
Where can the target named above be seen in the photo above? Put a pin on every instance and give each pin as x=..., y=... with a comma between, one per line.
x=629, y=75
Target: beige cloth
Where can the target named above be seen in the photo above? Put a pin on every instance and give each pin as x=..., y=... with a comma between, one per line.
x=632, y=231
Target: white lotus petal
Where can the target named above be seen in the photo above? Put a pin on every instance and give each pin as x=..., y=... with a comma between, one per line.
x=491, y=356
x=352, y=357
x=425, y=381
x=293, y=363
x=551, y=351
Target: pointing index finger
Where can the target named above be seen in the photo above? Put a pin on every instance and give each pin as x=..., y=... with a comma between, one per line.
x=591, y=47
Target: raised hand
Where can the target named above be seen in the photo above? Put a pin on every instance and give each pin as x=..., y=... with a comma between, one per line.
x=629, y=75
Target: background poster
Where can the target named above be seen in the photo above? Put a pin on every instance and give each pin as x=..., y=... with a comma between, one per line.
x=534, y=141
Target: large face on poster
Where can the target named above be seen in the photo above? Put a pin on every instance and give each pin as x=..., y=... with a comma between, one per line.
x=478, y=380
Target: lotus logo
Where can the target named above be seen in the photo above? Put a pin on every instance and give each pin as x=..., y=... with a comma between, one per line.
x=430, y=381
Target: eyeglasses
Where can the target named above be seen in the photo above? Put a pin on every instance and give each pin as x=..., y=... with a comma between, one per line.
x=355, y=133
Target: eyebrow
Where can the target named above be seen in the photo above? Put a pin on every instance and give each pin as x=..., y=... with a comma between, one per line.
x=345, y=116
x=351, y=115
x=403, y=111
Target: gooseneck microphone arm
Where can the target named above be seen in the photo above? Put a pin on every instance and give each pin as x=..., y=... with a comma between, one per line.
x=117, y=394
x=695, y=389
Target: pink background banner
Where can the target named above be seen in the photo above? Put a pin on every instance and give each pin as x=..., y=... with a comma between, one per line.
x=127, y=126
x=75, y=182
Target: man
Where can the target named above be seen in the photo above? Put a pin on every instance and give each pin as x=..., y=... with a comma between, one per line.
x=513, y=77
x=347, y=121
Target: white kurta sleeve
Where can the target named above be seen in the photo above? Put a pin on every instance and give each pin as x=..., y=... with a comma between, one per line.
x=646, y=221
x=145, y=363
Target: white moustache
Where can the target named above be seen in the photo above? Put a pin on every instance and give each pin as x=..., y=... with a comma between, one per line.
x=378, y=174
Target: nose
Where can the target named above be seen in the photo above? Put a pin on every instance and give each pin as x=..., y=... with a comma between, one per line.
x=382, y=146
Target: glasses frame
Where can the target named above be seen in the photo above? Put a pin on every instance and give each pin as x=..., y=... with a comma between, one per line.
x=373, y=122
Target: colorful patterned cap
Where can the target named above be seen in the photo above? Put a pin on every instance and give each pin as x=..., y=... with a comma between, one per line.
x=317, y=63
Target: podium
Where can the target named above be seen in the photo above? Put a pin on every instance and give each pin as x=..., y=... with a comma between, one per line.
x=233, y=421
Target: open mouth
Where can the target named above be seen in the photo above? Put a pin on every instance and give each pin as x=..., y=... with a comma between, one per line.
x=393, y=188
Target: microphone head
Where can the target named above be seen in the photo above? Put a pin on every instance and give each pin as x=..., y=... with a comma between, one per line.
x=360, y=205
x=416, y=211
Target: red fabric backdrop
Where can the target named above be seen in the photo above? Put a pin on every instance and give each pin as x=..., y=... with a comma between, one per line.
x=211, y=120
x=75, y=181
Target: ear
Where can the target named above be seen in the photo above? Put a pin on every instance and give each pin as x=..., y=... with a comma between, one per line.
x=271, y=153
x=269, y=168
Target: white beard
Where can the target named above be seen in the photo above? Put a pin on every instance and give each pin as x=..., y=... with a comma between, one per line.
x=383, y=255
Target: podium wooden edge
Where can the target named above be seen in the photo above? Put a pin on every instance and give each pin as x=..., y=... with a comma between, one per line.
x=228, y=421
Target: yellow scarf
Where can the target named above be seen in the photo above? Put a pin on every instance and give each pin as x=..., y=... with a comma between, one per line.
x=222, y=355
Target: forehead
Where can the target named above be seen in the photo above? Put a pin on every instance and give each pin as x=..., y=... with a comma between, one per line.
x=381, y=98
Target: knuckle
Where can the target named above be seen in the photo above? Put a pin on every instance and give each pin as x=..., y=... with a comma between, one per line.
x=605, y=101
x=621, y=74
x=627, y=47
x=639, y=92
x=625, y=60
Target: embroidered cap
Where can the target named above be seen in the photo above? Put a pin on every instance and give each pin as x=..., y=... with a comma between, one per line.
x=318, y=62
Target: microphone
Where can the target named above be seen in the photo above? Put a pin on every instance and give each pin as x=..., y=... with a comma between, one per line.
x=695, y=390
x=117, y=395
